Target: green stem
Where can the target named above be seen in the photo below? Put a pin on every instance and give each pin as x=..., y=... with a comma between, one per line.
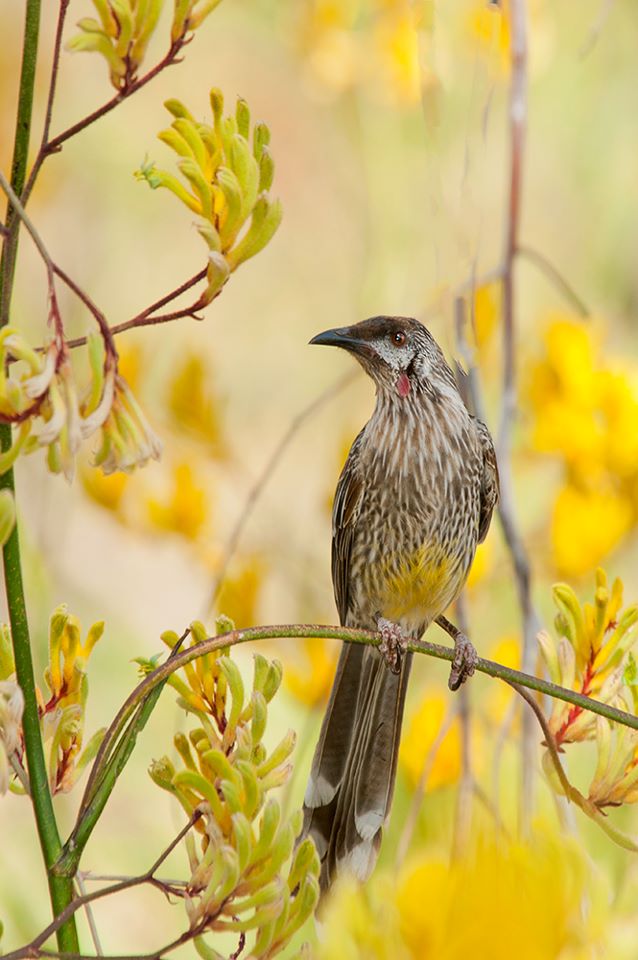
x=103, y=776
x=60, y=888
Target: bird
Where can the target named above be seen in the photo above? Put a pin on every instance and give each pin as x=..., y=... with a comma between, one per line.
x=414, y=499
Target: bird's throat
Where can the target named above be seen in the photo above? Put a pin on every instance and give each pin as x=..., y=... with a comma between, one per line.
x=403, y=385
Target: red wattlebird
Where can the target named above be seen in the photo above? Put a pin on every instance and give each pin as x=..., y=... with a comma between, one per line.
x=414, y=499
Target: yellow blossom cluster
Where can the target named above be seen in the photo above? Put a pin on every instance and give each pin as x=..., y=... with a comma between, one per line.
x=585, y=414
x=593, y=656
x=367, y=42
x=229, y=170
x=62, y=713
x=39, y=394
x=247, y=875
x=537, y=900
x=123, y=29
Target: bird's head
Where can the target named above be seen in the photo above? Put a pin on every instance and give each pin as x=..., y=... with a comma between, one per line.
x=399, y=353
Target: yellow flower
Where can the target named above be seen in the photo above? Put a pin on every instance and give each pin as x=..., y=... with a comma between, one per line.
x=398, y=52
x=586, y=526
x=487, y=310
x=619, y=401
x=193, y=405
x=507, y=651
x=482, y=564
x=311, y=684
x=422, y=730
x=540, y=900
x=489, y=26
x=366, y=43
x=587, y=415
x=240, y=594
x=362, y=923
x=107, y=491
x=186, y=509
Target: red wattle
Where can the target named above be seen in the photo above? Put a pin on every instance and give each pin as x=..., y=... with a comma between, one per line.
x=403, y=385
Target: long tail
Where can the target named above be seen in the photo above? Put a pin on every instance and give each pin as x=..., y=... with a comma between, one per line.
x=351, y=782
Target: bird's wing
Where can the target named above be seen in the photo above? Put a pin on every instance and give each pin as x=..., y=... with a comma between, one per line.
x=345, y=511
x=489, y=480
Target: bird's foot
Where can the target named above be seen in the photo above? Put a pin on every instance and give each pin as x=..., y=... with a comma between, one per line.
x=464, y=663
x=394, y=644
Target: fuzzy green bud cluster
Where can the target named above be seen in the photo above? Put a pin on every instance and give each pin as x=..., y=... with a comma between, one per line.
x=228, y=172
x=593, y=656
x=247, y=874
x=40, y=396
x=62, y=713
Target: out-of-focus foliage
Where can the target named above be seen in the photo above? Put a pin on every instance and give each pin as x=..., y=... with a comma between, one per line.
x=62, y=711
x=501, y=897
x=585, y=414
x=246, y=873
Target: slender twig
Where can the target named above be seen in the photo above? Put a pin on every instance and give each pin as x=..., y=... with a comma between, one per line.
x=554, y=276
x=90, y=918
x=17, y=206
x=463, y=813
x=506, y=509
x=19, y=771
x=597, y=27
x=146, y=318
x=262, y=480
x=105, y=330
x=87, y=898
x=55, y=65
x=60, y=888
x=550, y=741
x=90, y=808
x=49, y=147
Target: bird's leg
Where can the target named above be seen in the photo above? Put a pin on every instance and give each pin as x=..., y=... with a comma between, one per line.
x=465, y=655
x=394, y=643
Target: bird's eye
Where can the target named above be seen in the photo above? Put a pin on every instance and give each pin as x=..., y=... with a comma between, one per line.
x=398, y=338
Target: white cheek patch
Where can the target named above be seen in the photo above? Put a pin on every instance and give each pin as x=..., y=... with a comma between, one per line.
x=396, y=357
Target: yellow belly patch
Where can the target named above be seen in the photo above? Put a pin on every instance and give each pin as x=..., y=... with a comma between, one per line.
x=419, y=585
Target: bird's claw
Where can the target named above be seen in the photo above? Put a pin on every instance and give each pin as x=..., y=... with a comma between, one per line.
x=394, y=644
x=464, y=662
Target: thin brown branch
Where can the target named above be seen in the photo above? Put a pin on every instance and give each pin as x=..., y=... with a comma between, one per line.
x=145, y=318
x=550, y=742
x=55, y=66
x=49, y=147
x=33, y=948
x=506, y=508
x=554, y=275
x=22, y=215
x=463, y=813
x=90, y=918
x=105, y=330
x=597, y=28
x=260, y=483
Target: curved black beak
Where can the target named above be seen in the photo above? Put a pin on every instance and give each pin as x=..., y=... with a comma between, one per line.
x=342, y=337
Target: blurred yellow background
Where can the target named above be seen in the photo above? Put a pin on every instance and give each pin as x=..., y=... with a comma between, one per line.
x=390, y=139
